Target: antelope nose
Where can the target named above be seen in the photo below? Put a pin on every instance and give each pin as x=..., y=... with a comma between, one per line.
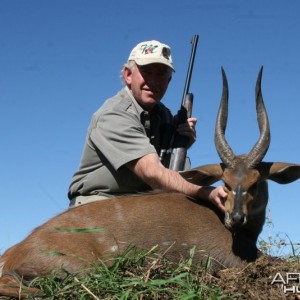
x=238, y=218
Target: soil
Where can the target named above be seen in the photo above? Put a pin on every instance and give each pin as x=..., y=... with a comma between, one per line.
x=264, y=279
x=256, y=280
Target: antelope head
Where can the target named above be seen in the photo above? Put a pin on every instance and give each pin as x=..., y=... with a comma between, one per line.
x=239, y=172
x=244, y=176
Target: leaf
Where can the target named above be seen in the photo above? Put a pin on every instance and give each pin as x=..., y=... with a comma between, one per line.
x=81, y=230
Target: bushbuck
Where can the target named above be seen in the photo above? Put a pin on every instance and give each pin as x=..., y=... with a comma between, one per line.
x=171, y=220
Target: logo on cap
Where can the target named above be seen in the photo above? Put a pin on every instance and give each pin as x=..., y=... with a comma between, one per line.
x=148, y=49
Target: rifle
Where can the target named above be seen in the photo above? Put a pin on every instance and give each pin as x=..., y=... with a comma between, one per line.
x=180, y=143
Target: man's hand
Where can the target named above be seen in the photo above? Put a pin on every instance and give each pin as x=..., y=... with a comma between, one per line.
x=218, y=196
x=188, y=129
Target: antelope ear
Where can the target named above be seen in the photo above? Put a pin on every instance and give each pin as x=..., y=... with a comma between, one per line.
x=203, y=175
x=284, y=172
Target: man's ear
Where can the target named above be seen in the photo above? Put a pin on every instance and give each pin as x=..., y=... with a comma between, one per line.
x=127, y=75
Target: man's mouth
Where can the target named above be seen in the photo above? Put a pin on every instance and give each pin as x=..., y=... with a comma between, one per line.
x=151, y=93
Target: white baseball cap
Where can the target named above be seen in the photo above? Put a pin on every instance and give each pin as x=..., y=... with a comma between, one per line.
x=151, y=52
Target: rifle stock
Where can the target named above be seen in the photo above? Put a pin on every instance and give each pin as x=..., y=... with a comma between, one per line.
x=179, y=152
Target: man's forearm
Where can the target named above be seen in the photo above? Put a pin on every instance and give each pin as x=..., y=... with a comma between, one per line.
x=151, y=171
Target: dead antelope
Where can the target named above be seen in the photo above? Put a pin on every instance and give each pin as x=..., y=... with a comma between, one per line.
x=162, y=218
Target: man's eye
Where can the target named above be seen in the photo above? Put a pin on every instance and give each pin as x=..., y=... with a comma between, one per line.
x=163, y=75
x=146, y=73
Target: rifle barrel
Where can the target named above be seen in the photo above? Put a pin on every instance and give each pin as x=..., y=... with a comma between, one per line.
x=190, y=69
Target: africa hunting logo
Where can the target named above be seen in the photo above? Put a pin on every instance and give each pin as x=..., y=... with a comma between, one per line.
x=289, y=282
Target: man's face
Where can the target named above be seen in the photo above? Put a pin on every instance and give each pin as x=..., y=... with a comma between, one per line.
x=148, y=83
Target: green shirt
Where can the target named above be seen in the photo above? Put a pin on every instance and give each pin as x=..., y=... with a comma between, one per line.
x=119, y=132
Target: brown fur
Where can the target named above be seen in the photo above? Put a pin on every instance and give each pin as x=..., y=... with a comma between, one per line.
x=144, y=221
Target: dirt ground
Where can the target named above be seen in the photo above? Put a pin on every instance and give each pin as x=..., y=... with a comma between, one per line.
x=267, y=278
x=255, y=280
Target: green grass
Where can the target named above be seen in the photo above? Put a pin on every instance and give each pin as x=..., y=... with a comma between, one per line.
x=134, y=275
x=144, y=275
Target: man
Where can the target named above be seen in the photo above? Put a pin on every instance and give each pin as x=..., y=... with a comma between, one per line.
x=121, y=152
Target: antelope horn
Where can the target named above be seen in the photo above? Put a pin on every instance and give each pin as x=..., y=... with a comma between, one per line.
x=260, y=149
x=225, y=152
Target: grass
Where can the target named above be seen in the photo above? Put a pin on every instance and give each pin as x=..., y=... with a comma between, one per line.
x=134, y=275
x=140, y=275
x=280, y=245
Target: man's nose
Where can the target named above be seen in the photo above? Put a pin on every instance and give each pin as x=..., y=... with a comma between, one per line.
x=154, y=80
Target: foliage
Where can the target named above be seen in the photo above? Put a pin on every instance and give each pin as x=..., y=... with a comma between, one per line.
x=134, y=275
x=140, y=275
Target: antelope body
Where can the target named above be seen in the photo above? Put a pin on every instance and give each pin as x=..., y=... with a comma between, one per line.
x=164, y=219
